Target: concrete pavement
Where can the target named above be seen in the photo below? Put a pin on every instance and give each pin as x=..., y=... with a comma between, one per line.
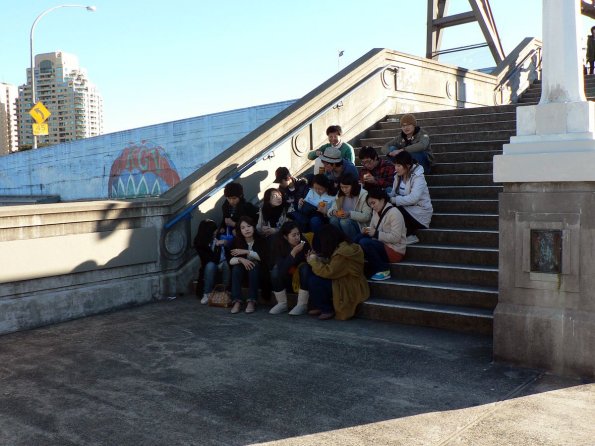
x=178, y=373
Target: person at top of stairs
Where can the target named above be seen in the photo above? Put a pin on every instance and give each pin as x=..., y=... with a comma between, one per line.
x=412, y=139
x=411, y=195
x=590, y=56
x=334, y=133
x=384, y=240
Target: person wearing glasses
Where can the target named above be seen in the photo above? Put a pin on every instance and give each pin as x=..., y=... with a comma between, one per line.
x=414, y=140
x=376, y=172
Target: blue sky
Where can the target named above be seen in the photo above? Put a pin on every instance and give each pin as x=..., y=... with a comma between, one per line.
x=157, y=61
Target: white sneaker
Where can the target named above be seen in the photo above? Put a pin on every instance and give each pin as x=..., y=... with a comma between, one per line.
x=205, y=299
x=412, y=239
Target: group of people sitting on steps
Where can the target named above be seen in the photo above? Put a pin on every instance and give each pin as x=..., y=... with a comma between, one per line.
x=321, y=236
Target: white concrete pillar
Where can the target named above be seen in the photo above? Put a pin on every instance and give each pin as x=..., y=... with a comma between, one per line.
x=555, y=140
x=562, y=71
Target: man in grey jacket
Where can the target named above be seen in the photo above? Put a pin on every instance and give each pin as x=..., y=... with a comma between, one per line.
x=414, y=140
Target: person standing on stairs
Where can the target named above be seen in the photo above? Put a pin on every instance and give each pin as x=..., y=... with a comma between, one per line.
x=383, y=241
x=590, y=56
x=412, y=139
x=290, y=269
x=411, y=195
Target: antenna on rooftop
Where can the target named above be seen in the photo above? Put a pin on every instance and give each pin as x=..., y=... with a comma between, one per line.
x=339, y=55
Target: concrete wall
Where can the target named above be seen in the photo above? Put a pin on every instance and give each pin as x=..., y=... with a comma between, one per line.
x=132, y=163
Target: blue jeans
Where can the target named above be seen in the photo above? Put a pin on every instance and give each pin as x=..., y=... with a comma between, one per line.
x=281, y=280
x=316, y=222
x=238, y=272
x=349, y=227
x=210, y=275
x=374, y=253
x=321, y=293
x=420, y=157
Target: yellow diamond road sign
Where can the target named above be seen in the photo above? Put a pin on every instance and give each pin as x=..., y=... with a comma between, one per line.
x=39, y=113
x=40, y=129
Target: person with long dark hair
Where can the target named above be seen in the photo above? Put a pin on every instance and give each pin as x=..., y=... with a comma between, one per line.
x=337, y=283
x=288, y=258
x=247, y=258
x=384, y=240
x=313, y=209
x=272, y=213
x=411, y=195
x=212, y=258
x=350, y=212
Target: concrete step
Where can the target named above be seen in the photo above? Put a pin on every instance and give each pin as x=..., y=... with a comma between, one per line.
x=452, y=254
x=466, y=157
x=458, y=112
x=471, y=238
x=455, y=168
x=461, y=319
x=465, y=206
x=433, y=129
x=474, y=136
x=465, y=192
x=437, y=273
x=468, y=146
x=436, y=293
x=450, y=138
x=464, y=220
x=467, y=179
x=451, y=120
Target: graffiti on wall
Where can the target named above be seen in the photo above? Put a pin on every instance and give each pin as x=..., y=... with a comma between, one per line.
x=141, y=170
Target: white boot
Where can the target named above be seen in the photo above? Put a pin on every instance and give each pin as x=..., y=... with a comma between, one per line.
x=281, y=306
x=205, y=299
x=302, y=303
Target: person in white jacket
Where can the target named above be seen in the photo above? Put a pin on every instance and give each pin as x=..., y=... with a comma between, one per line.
x=411, y=195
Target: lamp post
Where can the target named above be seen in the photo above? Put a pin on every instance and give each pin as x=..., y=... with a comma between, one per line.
x=32, y=64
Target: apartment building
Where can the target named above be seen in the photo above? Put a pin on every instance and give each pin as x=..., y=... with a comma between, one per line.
x=9, y=141
x=64, y=88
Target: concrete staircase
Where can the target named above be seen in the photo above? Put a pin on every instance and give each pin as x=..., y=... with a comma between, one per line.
x=450, y=279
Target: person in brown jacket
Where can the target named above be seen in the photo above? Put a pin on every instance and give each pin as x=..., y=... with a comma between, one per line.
x=337, y=283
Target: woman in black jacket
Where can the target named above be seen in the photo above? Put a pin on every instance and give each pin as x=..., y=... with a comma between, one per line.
x=213, y=258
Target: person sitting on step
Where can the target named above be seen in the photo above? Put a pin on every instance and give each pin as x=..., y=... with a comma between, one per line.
x=288, y=258
x=272, y=213
x=247, y=258
x=376, y=171
x=411, y=195
x=412, y=139
x=235, y=206
x=313, y=209
x=292, y=189
x=213, y=260
x=337, y=283
x=334, y=133
x=350, y=212
x=335, y=167
x=383, y=241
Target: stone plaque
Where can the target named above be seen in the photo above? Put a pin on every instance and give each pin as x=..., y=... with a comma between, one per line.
x=546, y=251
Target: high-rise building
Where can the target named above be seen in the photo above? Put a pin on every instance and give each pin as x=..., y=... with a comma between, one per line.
x=9, y=141
x=74, y=103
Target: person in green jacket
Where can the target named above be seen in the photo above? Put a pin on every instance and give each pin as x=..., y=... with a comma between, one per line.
x=337, y=283
x=334, y=133
x=591, y=50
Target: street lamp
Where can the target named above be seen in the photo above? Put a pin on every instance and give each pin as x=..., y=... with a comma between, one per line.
x=33, y=99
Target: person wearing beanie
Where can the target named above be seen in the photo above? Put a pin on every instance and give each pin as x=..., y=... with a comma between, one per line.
x=333, y=133
x=414, y=140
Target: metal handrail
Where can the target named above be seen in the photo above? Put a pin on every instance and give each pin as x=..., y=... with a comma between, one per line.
x=187, y=211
